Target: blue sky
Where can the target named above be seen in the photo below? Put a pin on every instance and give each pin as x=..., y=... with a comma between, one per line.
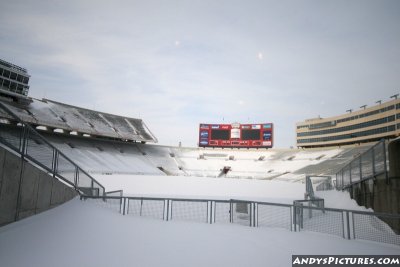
x=176, y=64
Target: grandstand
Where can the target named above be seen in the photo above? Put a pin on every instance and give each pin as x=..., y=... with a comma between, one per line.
x=102, y=156
x=113, y=152
x=109, y=144
x=74, y=143
x=86, y=152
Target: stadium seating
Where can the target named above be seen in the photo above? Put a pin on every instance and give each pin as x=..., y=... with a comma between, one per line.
x=116, y=157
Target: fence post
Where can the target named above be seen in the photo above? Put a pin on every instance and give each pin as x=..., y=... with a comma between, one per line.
x=211, y=209
x=348, y=224
x=123, y=213
x=167, y=209
x=294, y=217
x=55, y=162
x=141, y=207
x=354, y=229
x=76, y=177
x=91, y=186
x=291, y=218
x=251, y=214
x=301, y=215
x=336, y=185
x=230, y=211
x=254, y=214
x=384, y=162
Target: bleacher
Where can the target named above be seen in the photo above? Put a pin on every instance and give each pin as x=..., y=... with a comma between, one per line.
x=116, y=157
x=163, y=158
x=284, y=164
x=103, y=156
x=117, y=154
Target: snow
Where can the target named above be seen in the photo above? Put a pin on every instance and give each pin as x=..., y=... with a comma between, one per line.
x=203, y=187
x=66, y=117
x=100, y=156
x=85, y=233
x=339, y=200
x=82, y=233
x=220, y=188
x=275, y=163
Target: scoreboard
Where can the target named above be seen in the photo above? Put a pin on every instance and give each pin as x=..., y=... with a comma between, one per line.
x=238, y=135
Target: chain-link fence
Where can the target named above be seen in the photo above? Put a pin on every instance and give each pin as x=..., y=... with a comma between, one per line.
x=147, y=207
x=368, y=165
x=322, y=220
x=274, y=215
x=317, y=183
x=242, y=212
x=189, y=210
x=221, y=211
x=303, y=215
x=113, y=203
x=375, y=227
x=11, y=136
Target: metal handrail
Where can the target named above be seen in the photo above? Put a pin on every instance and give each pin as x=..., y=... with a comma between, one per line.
x=29, y=129
x=298, y=217
x=392, y=215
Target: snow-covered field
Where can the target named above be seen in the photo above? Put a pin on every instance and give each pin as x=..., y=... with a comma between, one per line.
x=219, y=188
x=203, y=187
x=82, y=233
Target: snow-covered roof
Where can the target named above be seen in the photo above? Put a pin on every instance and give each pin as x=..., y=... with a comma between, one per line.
x=55, y=115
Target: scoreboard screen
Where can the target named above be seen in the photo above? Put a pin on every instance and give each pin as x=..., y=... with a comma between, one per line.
x=236, y=135
x=220, y=134
x=251, y=134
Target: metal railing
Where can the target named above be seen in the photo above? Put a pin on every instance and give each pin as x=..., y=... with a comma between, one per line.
x=366, y=166
x=117, y=193
x=303, y=215
x=322, y=183
x=30, y=145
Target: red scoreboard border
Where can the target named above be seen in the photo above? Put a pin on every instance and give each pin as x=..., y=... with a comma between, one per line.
x=235, y=136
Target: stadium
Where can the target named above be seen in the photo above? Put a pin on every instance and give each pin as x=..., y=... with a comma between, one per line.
x=103, y=180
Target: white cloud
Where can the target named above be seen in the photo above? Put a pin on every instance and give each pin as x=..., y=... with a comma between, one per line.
x=181, y=63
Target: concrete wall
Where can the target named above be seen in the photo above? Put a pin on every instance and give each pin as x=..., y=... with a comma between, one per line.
x=37, y=190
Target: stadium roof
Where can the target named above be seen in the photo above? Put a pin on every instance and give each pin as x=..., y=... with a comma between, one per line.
x=71, y=119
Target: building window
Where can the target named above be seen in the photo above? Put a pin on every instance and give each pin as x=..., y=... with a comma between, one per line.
x=348, y=128
x=349, y=136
